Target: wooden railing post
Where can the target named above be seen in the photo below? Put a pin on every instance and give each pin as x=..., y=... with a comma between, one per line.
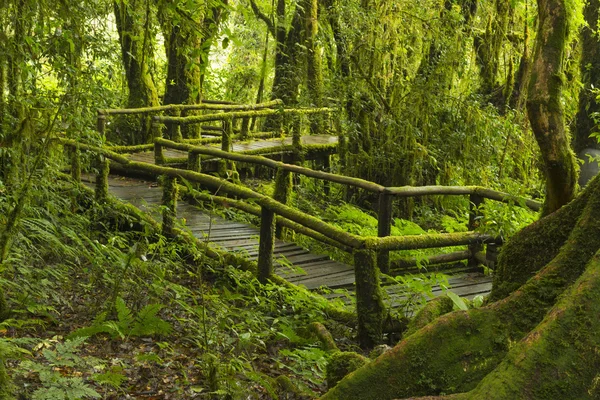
x=327, y=168
x=475, y=202
x=194, y=161
x=169, y=202
x=245, y=128
x=176, y=135
x=283, y=187
x=297, y=136
x=76, y=163
x=266, y=244
x=226, y=142
x=159, y=158
x=102, y=179
x=101, y=123
x=384, y=228
x=369, y=304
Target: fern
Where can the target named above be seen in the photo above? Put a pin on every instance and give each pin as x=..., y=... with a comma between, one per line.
x=145, y=323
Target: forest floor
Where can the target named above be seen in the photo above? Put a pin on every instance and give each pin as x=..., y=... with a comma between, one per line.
x=103, y=307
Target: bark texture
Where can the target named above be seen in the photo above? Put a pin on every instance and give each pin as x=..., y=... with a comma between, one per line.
x=136, y=55
x=544, y=107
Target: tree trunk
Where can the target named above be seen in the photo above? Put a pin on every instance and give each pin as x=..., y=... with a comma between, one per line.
x=188, y=42
x=536, y=342
x=519, y=90
x=490, y=46
x=314, y=73
x=590, y=77
x=544, y=104
x=135, y=40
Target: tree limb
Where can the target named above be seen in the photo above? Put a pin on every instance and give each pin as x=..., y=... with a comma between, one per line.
x=260, y=15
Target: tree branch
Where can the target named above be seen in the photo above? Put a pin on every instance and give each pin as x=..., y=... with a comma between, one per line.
x=260, y=15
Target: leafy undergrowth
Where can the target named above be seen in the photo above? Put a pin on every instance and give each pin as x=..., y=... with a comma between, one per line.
x=103, y=307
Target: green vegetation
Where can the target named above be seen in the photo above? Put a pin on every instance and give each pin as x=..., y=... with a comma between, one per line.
x=99, y=300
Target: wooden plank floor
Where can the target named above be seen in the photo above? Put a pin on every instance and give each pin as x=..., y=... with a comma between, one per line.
x=294, y=263
x=242, y=147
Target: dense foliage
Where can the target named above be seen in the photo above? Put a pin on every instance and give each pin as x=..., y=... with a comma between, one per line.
x=95, y=302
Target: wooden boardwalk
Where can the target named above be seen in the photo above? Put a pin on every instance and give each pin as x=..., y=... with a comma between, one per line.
x=293, y=262
x=245, y=147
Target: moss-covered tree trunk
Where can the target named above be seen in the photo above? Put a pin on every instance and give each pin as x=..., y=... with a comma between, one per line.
x=590, y=77
x=314, y=73
x=544, y=107
x=132, y=20
x=189, y=35
x=537, y=340
x=489, y=47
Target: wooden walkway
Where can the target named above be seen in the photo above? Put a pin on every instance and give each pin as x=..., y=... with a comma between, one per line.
x=294, y=263
x=245, y=147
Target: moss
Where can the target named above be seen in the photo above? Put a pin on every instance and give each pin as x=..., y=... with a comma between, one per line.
x=327, y=342
x=435, y=308
x=535, y=246
x=341, y=364
x=169, y=201
x=369, y=304
x=286, y=388
x=102, y=180
x=559, y=359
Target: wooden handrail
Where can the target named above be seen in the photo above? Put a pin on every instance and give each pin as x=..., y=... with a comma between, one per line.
x=182, y=107
x=196, y=119
x=316, y=224
x=414, y=191
x=328, y=230
x=267, y=162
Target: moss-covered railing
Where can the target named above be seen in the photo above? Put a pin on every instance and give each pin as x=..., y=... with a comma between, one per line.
x=295, y=115
x=368, y=252
x=177, y=110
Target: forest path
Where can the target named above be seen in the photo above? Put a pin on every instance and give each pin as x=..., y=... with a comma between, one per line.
x=292, y=262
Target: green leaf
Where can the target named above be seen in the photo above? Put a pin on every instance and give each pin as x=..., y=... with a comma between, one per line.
x=458, y=301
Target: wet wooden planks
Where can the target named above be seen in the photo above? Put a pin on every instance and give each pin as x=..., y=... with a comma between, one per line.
x=292, y=262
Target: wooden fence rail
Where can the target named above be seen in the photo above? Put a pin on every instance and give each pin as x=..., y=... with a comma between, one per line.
x=369, y=252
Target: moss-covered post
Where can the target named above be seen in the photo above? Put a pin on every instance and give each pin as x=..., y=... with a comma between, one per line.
x=327, y=168
x=101, y=123
x=193, y=162
x=297, y=137
x=226, y=140
x=102, y=179
x=266, y=245
x=283, y=187
x=169, y=202
x=75, y=163
x=159, y=158
x=245, y=128
x=475, y=201
x=175, y=129
x=369, y=304
x=384, y=228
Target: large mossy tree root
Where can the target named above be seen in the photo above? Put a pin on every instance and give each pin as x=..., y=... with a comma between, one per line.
x=457, y=351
